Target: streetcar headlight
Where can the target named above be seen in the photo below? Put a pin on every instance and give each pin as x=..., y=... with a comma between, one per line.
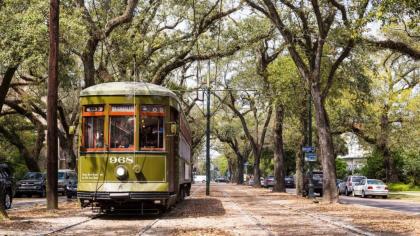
x=121, y=172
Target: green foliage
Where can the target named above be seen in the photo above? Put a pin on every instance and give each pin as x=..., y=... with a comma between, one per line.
x=267, y=162
x=411, y=167
x=406, y=162
x=10, y=155
x=289, y=161
x=221, y=164
x=374, y=167
x=403, y=187
x=341, y=168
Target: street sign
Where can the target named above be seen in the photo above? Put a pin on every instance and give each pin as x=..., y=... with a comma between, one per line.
x=308, y=149
x=310, y=156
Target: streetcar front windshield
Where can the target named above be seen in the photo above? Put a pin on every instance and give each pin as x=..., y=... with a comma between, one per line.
x=122, y=131
x=152, y=127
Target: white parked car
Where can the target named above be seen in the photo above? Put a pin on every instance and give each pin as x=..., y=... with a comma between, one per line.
x=371, y=187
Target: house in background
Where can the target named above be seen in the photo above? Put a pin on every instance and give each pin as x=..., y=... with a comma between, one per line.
x=356, y=155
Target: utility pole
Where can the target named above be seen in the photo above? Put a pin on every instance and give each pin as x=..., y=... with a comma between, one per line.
x=311, y=184
x=52, y=150
x=208, y=140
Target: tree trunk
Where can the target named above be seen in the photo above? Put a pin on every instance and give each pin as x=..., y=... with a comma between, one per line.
x=278, y=151
x=230, y=169
x=257, y=171
x=303, y=120
x=89, y=63
x=240, y=168
x=383, y=148
x=30, y=162
x=326, y=145
x=66, y=144
x=28, y=157
x=5, y=84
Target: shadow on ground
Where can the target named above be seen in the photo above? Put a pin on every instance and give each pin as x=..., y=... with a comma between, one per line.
x=197, y=207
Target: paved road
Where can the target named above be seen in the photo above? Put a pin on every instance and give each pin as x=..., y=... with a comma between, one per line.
x=20, y=203
x=395, y=205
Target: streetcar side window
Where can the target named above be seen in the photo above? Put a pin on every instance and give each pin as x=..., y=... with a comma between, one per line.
x=93, y=132
x=93, y=127
x=152, y=127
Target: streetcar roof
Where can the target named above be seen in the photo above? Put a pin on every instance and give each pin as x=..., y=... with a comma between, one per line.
x=127, y=88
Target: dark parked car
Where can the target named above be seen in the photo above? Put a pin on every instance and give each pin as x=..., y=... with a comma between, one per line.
x=65, y=178
x=316, y=181
x=71, y=189
x=32, y=183
x=6, y=186
x=289, y=182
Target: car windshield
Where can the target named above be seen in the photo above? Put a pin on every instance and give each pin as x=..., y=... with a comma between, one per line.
x=33, y=175
x=375, y=181
x=358, y=178
x=317, y=176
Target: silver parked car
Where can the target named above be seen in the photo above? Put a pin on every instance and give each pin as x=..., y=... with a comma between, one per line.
x=66, y=178
x=371, y=187
x=350, y=182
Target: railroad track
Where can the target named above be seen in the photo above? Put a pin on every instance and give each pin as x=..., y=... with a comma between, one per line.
x=346, y=227
x=72, y=225
x=252, y=219
x=144, y=230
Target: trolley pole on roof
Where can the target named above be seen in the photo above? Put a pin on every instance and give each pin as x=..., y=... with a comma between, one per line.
x=208, y=140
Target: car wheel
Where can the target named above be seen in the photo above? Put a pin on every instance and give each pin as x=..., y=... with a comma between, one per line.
x=363, y=194
x=69, y=196
x=384, y=197
x=7, y=201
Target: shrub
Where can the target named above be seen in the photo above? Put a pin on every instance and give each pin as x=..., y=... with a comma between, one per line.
x=398, y=187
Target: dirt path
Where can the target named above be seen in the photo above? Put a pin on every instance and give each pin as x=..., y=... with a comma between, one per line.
x=229, y=210
x=237, y=210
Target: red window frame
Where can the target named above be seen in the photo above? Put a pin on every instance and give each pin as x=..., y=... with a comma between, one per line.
x=116, y=114
x=92, y=114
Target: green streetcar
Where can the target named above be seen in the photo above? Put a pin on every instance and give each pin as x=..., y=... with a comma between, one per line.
x=134, y=148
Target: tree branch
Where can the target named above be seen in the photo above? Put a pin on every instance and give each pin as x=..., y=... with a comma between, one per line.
x=396, y=46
